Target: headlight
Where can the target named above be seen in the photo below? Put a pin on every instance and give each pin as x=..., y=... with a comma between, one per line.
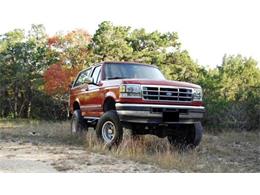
x=197, y=94
x=130, y=91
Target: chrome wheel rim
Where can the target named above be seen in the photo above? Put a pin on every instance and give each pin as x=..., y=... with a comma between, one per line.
x=108, y=131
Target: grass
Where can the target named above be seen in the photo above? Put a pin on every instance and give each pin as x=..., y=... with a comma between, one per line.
x=225, y=152
x=230, y=151
x=38, y=131
x=149, y=149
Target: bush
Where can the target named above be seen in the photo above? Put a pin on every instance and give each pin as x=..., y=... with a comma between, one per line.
x=233, y=115
x=47, y=108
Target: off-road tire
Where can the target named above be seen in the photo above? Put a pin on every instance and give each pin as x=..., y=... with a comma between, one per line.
x=77, y=124
x=187, y=137
x=110, y=118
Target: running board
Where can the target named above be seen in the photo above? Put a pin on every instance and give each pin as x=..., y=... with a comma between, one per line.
x=91, y=120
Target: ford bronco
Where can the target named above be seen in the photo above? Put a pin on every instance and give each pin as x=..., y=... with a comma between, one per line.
x=111, y=96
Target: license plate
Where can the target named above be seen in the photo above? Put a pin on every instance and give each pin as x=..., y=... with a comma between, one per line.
x=171, y=116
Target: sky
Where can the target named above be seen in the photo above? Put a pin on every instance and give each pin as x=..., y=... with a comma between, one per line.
x=208, y=29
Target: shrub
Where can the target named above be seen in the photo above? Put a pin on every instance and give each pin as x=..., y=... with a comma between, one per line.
x=47, y=108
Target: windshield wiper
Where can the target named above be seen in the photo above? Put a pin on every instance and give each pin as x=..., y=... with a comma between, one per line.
x=111, y=78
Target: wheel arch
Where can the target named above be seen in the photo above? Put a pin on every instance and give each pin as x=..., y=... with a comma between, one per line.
x=75, y=105
x=109, y=104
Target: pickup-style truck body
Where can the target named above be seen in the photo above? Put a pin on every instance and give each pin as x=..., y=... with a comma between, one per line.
x=136, y=96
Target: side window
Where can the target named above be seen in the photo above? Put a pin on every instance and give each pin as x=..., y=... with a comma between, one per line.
x=82, y=77
x=95, y=74
x=99, y=76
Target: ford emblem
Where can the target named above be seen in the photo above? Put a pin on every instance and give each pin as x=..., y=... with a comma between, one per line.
x=168, y=93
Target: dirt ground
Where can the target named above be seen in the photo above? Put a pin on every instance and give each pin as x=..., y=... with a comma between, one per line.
x=24, y=149
x=48, y=147
x=31, y=157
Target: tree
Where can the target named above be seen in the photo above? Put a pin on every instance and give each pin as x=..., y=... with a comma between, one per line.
x=152, y=47
x=232, y=93
x=57, y=80
x=239, y=77
x=72, y=50
x=110, y=44
x=178, y=65
x=23, y=58
x=121, y=43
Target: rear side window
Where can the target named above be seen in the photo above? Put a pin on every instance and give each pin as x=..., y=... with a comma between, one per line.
x=96, y=74
x=82, y=77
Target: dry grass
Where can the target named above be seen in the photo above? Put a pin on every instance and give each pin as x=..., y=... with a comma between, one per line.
x=38, y=131
x=149, y=149
x=226, y=152
x=231, y=151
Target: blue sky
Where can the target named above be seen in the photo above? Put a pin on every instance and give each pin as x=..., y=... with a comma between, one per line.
x=207, y=29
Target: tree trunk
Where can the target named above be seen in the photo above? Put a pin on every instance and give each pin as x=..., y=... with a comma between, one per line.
x=29, y=109
x=23, y=100
x=29, y=92
x=16, y=92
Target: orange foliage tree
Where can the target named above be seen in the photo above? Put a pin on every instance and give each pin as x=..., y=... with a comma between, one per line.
x=57, y=79
x=72, y=55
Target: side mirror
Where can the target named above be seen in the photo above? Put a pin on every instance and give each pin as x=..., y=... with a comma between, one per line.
x=90, y=80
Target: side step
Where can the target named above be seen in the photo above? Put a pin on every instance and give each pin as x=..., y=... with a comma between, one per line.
x=91, y=120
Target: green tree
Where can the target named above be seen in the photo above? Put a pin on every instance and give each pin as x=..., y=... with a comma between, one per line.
x=152, y=47
x=109, y=43
x=232, y=93
x=239, y=78
x=23, y=57
x=180, y=66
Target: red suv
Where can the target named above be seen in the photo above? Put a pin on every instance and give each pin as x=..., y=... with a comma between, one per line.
x=111, y=96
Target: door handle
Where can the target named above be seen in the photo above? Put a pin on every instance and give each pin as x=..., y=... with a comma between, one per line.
x=83, y=90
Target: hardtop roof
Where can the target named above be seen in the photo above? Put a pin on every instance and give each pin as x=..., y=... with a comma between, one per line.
x=125, y=62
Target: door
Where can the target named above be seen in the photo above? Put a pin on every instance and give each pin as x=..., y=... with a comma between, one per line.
x=94, y=100
x=80, y=88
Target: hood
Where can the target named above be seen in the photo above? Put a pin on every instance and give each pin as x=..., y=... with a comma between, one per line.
x=160, y=82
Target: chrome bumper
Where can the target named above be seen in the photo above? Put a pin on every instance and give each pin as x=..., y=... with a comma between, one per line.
x=152, y=113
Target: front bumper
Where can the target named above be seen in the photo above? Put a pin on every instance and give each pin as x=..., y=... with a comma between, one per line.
x=159, y=114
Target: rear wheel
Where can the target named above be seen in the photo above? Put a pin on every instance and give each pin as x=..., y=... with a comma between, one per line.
x=188, y=137
x=109, y=130
x=77, y=123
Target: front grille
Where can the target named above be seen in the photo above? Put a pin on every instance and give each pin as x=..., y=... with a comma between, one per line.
x=167, y=93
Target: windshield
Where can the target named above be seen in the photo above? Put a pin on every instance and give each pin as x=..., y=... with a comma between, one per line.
x=132, y=71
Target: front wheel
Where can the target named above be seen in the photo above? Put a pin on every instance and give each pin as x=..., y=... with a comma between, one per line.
x=187, y=137
x=109, y=130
